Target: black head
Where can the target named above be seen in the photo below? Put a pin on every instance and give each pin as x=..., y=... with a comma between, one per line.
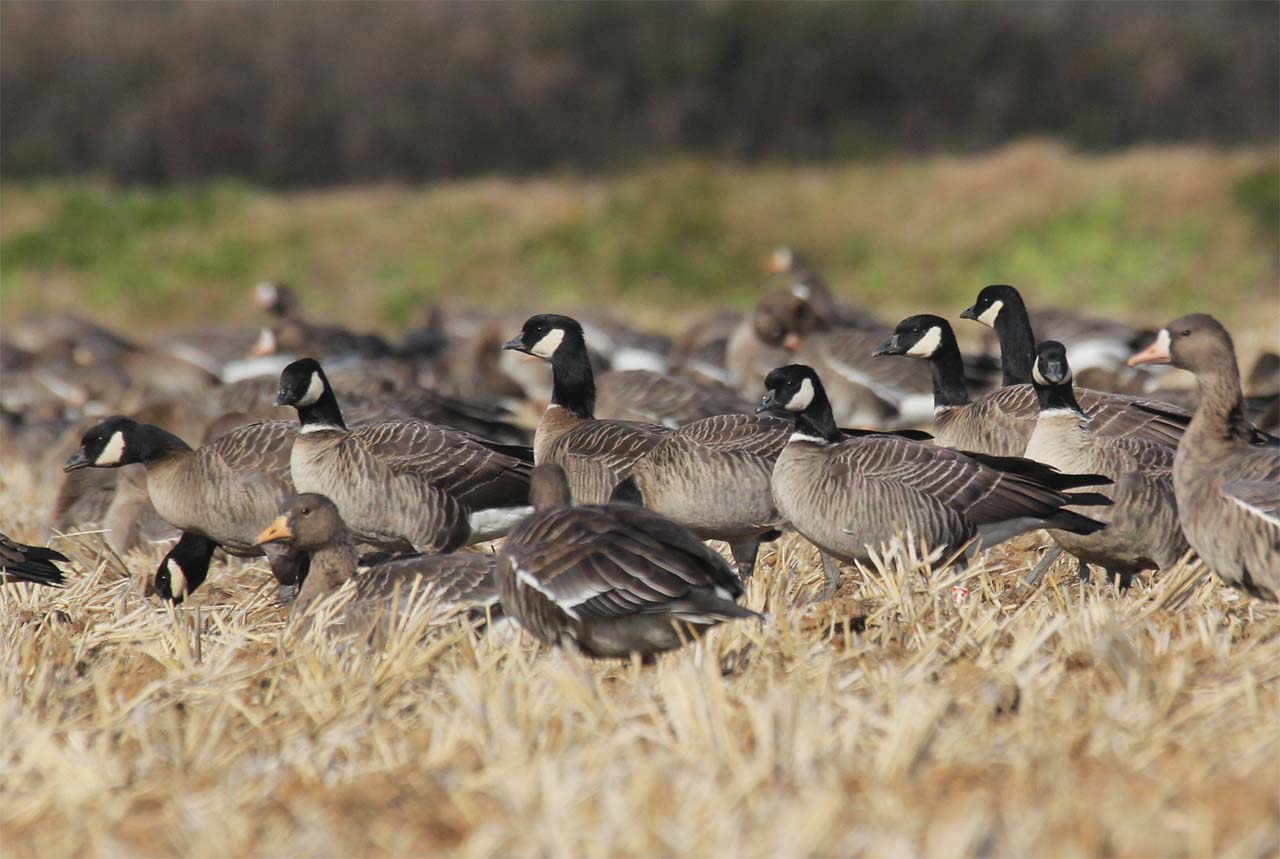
x=1051, y=368
x=917, y=337
x=547, y=334
x=185, y=568
x=793, y=388
x=991, y=303
x=302, y=383
x=114, y=442
x=307, y=522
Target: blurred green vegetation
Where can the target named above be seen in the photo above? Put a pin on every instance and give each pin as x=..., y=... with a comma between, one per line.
x=1144, y=233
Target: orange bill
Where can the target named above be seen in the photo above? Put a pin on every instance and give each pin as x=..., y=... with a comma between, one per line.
x=277, y=530
x=791, y=342
x=1156, y=353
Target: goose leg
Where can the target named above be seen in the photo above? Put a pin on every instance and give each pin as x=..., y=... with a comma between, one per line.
x=832, y=575
x=1037, y=573
x=1082, y=573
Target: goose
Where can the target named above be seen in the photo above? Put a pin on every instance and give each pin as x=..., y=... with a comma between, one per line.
x=35, y=564
x=401, y=485
x=851, y=496
x=1142, y=524
x=805, y=281
x=1228, y=488
x=672, y=401
x=610, y=579
x=310, y=523
x=221, y=491
x=711, y=476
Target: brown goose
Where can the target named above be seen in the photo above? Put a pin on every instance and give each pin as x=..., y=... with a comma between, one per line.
x=401, y=485
x=852, y=496
x=672, y=401
x=222, y=491
x=1142, y=524
x=712, y=475
x=34, y=564
x=1228, y=489
x=610, y=579
x=311, y=523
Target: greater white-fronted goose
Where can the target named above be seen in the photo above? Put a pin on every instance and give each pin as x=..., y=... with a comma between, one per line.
x=223, y=491
x=853, y=496
x=35, y=564
x=311, y=523
x=401, y=485
x=1142, y=530
x=1228, y=489
x=610, y=579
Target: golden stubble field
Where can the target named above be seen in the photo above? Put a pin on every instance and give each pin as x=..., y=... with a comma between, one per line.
x=1067, y=721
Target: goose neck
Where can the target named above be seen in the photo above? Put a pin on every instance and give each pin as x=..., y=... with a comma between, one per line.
x=573, y=385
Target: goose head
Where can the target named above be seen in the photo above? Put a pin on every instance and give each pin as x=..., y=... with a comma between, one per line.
x=793, y=388
x=1193, y=342
x=548, y=335
x=1051, y=368
x=308, y=522
x=783, y=259
x=992, y=301
x=302, y=383
x=917, y=337
x=275, y=298
x=118, y=441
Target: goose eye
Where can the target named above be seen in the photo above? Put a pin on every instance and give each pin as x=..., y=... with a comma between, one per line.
x=1186, y=332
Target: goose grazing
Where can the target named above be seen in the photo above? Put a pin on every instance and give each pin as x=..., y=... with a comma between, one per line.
x=1228, y=488
x=401, y=485
x=711, y=476
x=35, y=564
x=610, y=579
x=220, y=492
x=310, y=523
x=852, y=496
x=1142, y=524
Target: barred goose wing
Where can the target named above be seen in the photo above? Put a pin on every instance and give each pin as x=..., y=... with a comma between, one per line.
x=261, y=447
x=762, y=435
x=848, y=354
x=1259, y=498
x=672, y=401
x=462, y=578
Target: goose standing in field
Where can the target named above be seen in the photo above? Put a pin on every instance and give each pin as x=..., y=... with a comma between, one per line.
x=852, y=496
x=610, y=579
x=220, y=492
x=711, y=476
x=35, y=564
x=1142, y=524
x=1228, y=489
x=401, y=485
x=311, y=523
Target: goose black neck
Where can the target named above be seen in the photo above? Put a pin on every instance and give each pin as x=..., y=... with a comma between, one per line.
x=573, y=384
x=153, y=443
x=816, y=419
x=1057, y=397
x=1017, y=343
x=324, y=411
x=947, y=367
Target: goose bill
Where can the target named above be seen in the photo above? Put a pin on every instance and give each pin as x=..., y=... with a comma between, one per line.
x=77, y=460
x=277, y=530
x=1156, y=353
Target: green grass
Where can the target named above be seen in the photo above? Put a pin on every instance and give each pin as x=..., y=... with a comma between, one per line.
x=1142, y=233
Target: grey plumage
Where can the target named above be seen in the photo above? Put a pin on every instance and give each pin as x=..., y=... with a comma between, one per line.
x=611, y=579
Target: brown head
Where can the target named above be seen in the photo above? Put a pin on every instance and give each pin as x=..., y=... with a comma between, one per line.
x=276, y=298
x=785, y=317
x=308, y=522
x=1196, y=342
x=549, y=487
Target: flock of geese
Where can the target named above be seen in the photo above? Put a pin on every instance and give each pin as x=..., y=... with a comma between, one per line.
x=794, y=416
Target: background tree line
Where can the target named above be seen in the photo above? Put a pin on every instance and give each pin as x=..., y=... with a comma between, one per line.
x=291, y=94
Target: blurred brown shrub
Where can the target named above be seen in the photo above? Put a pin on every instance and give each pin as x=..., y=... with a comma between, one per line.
x=298, y=94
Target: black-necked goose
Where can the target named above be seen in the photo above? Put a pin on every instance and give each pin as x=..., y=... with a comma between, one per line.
x=610, y=579
x=221, y=492
x=853, y=496
x=1142, y=523
x=401, y=485
x=1228, y=488
x=35, y=564
x=311, y=523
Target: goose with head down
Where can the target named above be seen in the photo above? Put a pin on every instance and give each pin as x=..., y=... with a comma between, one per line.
x=1228, y=488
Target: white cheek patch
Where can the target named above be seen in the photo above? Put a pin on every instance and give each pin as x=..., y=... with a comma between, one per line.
x=113, y=452
x=803, y=397
x=177, y=579
x=549, y=343
x=1162, y=341
x=801, y=291
x=315, y=390
x=926, y=345
x=988, y=316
